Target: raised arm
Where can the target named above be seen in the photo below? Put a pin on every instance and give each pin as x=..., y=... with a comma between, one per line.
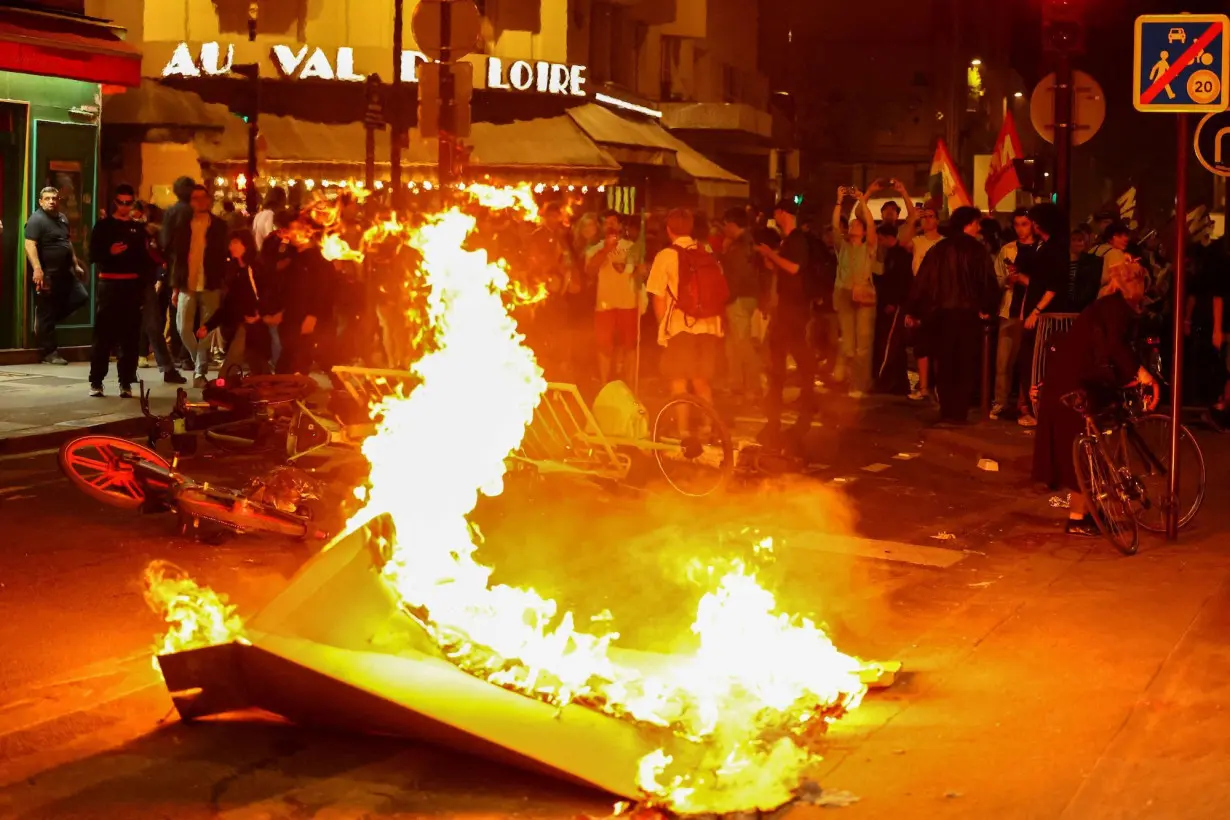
x=872, y=238
x=911, y=217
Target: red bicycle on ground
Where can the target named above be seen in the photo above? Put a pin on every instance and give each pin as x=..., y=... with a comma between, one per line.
x=124, y=474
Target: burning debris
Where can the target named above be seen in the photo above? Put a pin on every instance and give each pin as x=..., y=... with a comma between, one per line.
x=197, y=616
x=731, y=726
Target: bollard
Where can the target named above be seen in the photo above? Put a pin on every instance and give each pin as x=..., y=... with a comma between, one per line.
x=986, y=369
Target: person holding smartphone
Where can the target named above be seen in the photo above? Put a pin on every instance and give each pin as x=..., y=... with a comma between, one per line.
x=119, y=249
x=609, y=261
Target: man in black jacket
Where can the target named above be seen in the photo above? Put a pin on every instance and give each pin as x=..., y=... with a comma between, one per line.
x=118, y=248
x=306, y=295
x=954, y=289
x=198, y=266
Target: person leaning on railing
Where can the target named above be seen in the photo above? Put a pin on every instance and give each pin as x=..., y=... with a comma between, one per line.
x=1095, y=356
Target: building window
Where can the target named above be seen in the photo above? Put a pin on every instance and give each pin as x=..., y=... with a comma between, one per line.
x=672, y=49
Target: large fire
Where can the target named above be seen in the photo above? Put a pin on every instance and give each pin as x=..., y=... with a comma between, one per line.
x=758, y=686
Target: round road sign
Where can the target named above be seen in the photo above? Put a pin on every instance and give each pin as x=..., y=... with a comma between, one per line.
x=1213, y=143
x=1089, y=108
x=465, y=25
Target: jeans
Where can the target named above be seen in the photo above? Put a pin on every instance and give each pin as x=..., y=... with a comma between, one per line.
x=186, y=319
x=1006, y=372
x=858, y=332
x=154, y=324
x=743, y=362
x=117, y=326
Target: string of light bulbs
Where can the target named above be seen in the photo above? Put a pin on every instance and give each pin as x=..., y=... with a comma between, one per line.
x=240, y=182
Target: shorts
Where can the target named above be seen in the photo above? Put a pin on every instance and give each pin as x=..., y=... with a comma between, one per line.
x=691, y=356
x=616, y=329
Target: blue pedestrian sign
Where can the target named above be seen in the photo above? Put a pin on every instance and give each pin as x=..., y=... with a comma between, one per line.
x=1182, y=63
x=1213, y=143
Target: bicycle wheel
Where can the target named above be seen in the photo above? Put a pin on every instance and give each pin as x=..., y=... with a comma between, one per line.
x=1148, y=459
x=101, y=467
x=699, y=461
x=1109, y=505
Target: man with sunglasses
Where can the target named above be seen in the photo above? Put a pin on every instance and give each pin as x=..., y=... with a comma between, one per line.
x=119, y=250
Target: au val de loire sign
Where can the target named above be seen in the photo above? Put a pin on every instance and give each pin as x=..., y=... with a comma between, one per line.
x=307, y=62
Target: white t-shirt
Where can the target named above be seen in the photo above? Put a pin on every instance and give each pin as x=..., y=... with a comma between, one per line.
x=262, y=226
x=616, y=285
x=664, y=281
x=921, y=245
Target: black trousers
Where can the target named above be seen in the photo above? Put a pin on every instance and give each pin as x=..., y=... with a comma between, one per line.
x=298, y=350
x=788, y=337
x=957, y=339
x=890, y=369
x=54, y=305
x=154, y=325
x=117, y=327
x=1025, y=364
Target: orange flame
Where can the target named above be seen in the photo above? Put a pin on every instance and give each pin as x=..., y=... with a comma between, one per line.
x=757, y=685
x=197, y=616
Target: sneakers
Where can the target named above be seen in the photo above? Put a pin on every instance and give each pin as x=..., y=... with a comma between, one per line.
x=125, y=391
x=856, y=394
x=54, y=358
x=144, y=363
x=96, y=391
x=200, y=381
x=919, y=395
x=174, y=377
x=997, y=410
x=1082, y=528
x=1026, y=420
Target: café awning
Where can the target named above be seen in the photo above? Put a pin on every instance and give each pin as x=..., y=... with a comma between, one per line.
x=531, y=150
x=70, y=46
x=646, y=142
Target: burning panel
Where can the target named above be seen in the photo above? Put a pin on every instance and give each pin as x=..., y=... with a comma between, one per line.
x=397, y=627
x=334, y=649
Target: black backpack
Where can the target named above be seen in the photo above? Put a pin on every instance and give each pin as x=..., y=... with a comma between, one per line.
x=1084, y=291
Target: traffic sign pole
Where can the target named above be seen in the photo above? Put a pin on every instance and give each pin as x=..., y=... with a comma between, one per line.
x=1180, y=298
x=1063, y=137
x=395, y=111
x=444, y=154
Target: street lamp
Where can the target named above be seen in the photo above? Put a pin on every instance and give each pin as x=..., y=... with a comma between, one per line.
x=1019, y=94
x=975, y=62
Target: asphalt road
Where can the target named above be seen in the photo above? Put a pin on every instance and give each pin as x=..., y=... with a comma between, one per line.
x=1018, y=639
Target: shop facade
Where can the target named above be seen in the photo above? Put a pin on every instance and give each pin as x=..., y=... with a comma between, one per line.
x=53, y=71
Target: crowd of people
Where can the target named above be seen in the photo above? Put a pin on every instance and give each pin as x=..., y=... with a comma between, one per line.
x=859, y=302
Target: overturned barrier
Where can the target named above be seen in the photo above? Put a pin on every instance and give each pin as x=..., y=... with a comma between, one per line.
x=335, y=650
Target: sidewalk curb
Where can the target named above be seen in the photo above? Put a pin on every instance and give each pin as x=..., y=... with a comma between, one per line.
x=47, y=438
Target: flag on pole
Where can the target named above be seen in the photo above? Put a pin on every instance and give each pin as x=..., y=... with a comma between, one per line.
x=946, y=182
x=1126, y=205
x=1200, y=224
x=1002, y=179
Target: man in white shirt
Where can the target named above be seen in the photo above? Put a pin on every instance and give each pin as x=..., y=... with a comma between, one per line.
x=692, y=346
x=262, y=223
x=616, y=316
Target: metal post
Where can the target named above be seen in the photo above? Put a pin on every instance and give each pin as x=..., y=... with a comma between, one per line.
x=987, y=386
x=252, y=196
x=369, y=159
x=444, y=156
x=1063, y=137
x=1180, y=297
x=395, y=112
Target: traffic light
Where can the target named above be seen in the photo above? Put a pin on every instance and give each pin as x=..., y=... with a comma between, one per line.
x=1063, y=26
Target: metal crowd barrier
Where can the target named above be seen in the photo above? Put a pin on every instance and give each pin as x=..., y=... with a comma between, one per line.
x=1050, y=325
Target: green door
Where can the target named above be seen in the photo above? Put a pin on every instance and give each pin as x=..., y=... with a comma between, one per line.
x=13, y=121
x=65, y=158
